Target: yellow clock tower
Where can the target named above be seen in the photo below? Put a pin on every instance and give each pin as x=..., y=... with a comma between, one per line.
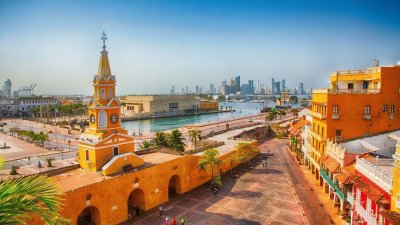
x=106, y=146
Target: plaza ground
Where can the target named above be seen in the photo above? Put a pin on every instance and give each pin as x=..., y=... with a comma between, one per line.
x=276, y=194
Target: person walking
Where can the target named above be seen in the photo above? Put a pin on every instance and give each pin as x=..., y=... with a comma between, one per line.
x=161, y=210
x=182, y=220
x=174, y=221
x=166, y=221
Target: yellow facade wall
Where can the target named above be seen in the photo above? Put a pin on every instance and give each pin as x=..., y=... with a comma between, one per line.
x=110, y=196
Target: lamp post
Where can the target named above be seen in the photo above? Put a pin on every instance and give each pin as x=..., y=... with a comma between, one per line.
x=69, y=145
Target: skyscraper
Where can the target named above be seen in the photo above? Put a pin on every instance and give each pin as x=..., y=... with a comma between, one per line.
x=283, y=85
x=237, y=80
x=251, y=86
x=301, y=89
x=273, y=86
x=277, y=88
x=7, y=88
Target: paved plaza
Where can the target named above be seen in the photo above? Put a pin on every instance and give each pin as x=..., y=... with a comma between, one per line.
x=262, y=195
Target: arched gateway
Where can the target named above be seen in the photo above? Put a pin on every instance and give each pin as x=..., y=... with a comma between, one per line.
x=89, y=216
x=136, y=202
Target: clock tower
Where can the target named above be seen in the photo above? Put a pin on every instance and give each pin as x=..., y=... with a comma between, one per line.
x=106, y=146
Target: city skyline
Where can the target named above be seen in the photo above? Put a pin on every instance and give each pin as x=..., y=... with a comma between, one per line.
x=155, y=45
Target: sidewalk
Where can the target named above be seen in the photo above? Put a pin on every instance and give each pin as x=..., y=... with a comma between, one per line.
x=322, y=196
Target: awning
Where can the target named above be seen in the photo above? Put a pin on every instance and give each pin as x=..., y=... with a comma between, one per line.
x=330, y=163
x=373, y=193
x=342, y=178
x=394, y=217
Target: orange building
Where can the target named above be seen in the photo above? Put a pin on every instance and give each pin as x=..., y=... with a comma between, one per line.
x=206, y=105
x=358, y=103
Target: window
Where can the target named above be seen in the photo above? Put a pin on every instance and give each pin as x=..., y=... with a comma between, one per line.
x=322, y=132
x=87, y=155
x=367, y=110
x=110, y=93
x=338, y=133
x=350, y=86
x=358, y=195
x=384, y=108
x=335, y=109
x=102, y=119
x=115, y=151
x=102, y=94
x=391, y=110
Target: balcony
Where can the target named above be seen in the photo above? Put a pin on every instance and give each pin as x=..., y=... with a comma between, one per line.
x=346, y=91
x=391, y=116
x=317, y=136
x=374, y=170
x=367, y=116
x=335, y=116
x=368, y=217
x=317, y=115
x=334, y=186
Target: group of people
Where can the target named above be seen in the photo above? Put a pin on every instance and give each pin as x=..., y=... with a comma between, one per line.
x=173, y=221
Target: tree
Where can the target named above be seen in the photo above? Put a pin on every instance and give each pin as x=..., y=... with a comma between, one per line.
x=145, y=145
x=123, y=104
x=244, y=151
x=210, y=158
x=161, y=139
x=195, y=135
x=22, y=196
x=175, y=140
x=271, y=116
x=295, y=112
x=281, y=113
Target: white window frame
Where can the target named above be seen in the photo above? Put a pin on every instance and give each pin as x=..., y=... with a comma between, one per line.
x=102, y=119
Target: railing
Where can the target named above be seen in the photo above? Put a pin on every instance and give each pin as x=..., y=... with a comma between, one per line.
x=368, y=217
x=317, y=136
x=330, y=182
x=335, y=116
x=346, y=91
x=375, y=174
x=367, y=116
x=356, y=72
x=350, y=198
x=317, y=115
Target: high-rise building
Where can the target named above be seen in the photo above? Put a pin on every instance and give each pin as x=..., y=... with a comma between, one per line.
x=187, y=90
x=7, y=88
x=237, y=81
x=301, y=89
x=212, y=89
x=172, y=91
x=277, y=88
x=273, y=86
x=197, y=89
x=251, y=86
x=283, y=85
x=244, y=89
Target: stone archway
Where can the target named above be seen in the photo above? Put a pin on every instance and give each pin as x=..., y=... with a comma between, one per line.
x=174, y=185
x=136, y=202
x=89, y=216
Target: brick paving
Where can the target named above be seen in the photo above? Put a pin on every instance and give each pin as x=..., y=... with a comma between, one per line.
x=262, y=195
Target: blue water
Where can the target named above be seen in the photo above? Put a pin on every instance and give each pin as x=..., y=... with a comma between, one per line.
x=159, y=124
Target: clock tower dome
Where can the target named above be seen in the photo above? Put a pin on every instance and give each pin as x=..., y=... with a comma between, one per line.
x=106, y=142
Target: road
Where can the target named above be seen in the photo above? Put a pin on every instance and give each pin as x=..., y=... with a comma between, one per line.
x=311, y=204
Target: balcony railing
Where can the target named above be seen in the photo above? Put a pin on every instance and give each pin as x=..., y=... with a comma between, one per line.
x=335, y=116
x=376, y=175
x=317, y=136
x=330, y=182
x=367, y=116
x=346, y=91
x=317, y=115
x=370, y=218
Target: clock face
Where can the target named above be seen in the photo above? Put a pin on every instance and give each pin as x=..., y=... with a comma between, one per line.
x=92, y=118
x=114, y=118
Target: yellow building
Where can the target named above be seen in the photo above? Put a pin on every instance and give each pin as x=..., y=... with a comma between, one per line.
x=395, y=204
x=207, y=106
x=106, y=146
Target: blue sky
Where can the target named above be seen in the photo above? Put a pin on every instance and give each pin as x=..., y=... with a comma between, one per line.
x=156, y=44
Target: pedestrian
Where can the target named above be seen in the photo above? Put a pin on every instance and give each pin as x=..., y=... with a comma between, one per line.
x=182, y=220
x=266, y=163
x=137, y=210
x=161, y=210
x=174, y=221
x=166, y=221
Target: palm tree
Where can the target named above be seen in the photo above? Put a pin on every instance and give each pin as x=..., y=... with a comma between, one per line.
x=281, y=113
x=161, y=139
x=175, y=140
x=22, y=196
x=34, y=111
x=145, y=145
x=209, y=158
x=123, y=104
x=271, y=116
x=244, y=151
x=295, y=112
x=195, y=135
